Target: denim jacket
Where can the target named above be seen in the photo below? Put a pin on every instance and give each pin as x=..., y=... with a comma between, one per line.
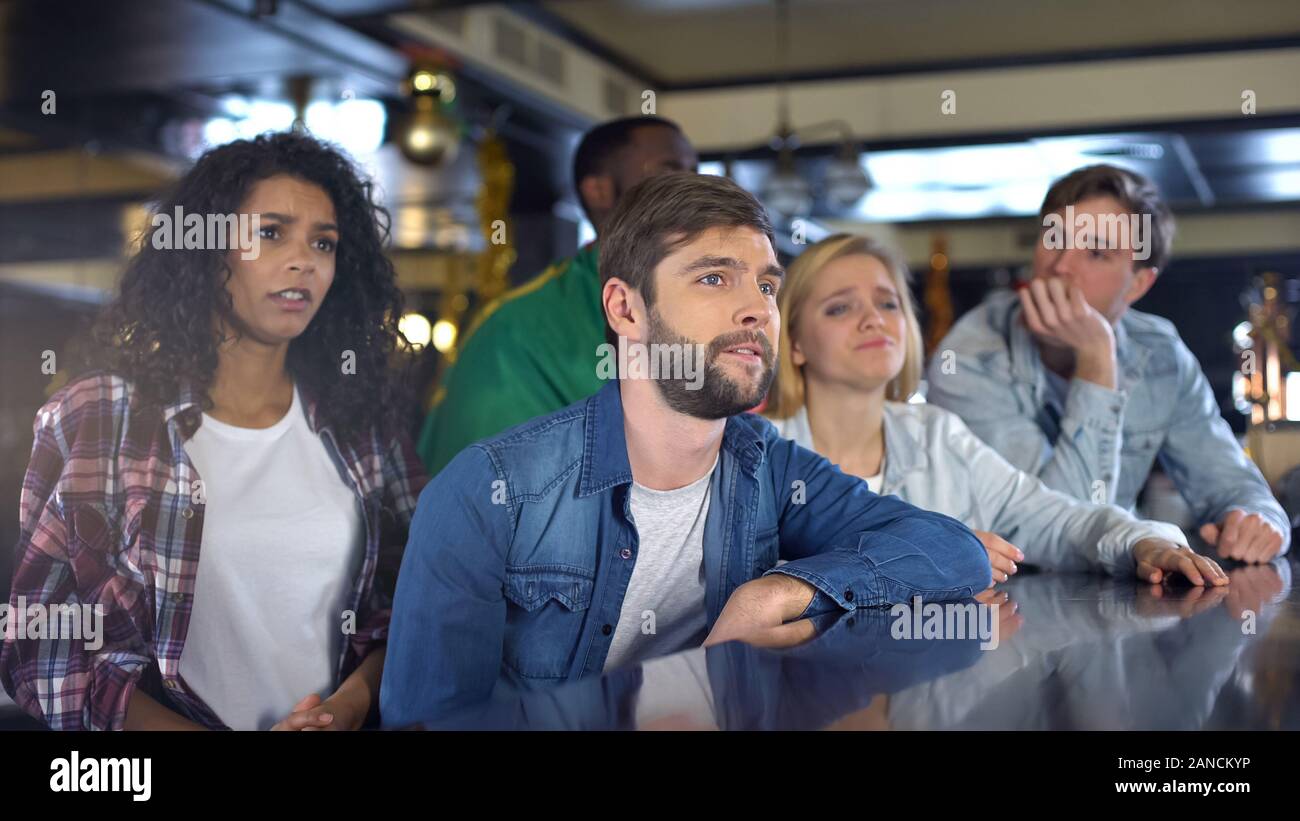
x=1102, y=443
x=932, y=460
x=522, y=548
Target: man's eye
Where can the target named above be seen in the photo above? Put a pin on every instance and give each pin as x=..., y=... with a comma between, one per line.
x=269, y=231
x=771, y=289
x=705, y=279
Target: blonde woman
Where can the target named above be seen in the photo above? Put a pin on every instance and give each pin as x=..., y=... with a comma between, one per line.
x=850, y=359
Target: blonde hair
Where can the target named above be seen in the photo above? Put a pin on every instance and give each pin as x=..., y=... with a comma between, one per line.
x=788, y=393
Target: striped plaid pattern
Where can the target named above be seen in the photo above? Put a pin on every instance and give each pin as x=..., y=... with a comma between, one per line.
x=111, y=514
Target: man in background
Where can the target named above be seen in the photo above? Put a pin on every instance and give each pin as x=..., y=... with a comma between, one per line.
x=1071, y=384
x=534, y=350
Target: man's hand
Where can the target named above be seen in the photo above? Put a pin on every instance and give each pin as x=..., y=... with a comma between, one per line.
x=1157, y=558
x=1058, y=313
x=1246, y=537
x=1003, y=555
x=758, y=611
x=1253, y=587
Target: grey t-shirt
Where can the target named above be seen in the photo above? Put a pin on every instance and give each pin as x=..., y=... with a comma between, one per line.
x=663, y=611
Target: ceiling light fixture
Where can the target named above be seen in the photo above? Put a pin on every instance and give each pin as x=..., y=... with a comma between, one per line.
x=786, y=191
x=426, y=135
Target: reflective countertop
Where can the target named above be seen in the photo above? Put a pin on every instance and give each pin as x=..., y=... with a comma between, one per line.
x=1068, y=652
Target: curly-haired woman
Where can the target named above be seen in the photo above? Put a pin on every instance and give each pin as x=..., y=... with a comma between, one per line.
x=229, y=485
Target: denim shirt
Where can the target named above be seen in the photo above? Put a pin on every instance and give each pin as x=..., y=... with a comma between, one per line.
x=1099, y=445
x=932, y=460
x=521, y=551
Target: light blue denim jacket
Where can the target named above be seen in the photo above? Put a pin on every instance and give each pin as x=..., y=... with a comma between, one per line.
x=932, y=460
x=1102, y=444
x=521, y=551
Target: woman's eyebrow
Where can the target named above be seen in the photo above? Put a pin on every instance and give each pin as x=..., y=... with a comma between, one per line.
x=845, y=291
x=288, y=220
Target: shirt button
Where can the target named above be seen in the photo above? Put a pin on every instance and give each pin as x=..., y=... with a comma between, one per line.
x=607, y=629
x=177, y=598
x=848, y=595
x=626, y=552
x=187, y=513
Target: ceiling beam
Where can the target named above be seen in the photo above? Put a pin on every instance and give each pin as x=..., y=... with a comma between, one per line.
x=1035, y=99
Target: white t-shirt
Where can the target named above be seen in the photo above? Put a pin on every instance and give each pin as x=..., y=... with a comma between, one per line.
x=677, y=686
x=663, y=610
x=281, y=547
x=874, y=482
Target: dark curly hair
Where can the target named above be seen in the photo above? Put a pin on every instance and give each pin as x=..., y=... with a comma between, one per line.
x=161, y=331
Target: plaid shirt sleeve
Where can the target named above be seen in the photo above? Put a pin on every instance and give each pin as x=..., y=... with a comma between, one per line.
x=404, y=478
x=66, y=556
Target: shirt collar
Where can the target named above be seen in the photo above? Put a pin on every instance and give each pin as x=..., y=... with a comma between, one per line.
x=186, y=398
x=588, y=257
x=604, y=449
x=187, y=401
x=1132, y=355
x=903, y=453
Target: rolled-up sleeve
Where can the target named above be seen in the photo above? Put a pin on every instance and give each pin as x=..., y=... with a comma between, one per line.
x=864, y=550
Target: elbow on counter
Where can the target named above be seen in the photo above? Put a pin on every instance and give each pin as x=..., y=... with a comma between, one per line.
x=965, y=562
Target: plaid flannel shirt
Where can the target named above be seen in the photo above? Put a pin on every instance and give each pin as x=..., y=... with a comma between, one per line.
x=111, y=514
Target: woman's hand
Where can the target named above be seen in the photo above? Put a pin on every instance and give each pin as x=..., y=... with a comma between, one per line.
x=1157, y=559
x=313, y=713
x=1003, y=555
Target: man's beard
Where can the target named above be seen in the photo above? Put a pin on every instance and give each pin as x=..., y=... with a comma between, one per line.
x=717, y=396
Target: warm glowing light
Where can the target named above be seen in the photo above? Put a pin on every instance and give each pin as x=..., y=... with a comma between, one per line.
x=444, y=335
x=420, y=138
x=416, y=328
x=423, y=80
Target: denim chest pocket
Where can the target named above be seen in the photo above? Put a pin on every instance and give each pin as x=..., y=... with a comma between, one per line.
x=544, y=617
x=1143, y=441
x=1139, y=449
